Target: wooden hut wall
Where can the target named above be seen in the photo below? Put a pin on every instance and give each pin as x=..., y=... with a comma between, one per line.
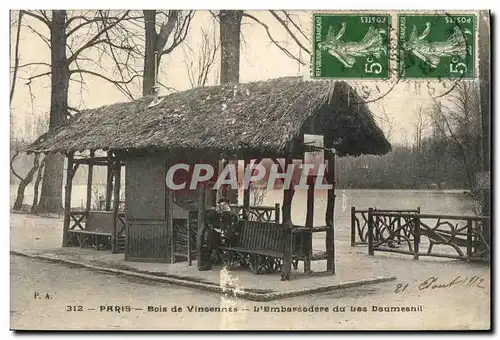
x=147, y=228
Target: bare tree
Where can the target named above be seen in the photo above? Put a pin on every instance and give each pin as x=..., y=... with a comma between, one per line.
x=459, y=123
x=23, y=181
x=16, y=56
x=200, y=62
x=96, y=30
x=176, y=25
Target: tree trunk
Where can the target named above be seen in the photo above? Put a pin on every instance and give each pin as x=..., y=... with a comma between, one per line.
x=155, y=42
x=230, y=29
x=51, y=195
x=36, y=187
x=148, y=80
x=18, y=204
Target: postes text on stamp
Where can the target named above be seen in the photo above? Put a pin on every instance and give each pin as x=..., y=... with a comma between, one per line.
x=437, y=45
x=351, y=46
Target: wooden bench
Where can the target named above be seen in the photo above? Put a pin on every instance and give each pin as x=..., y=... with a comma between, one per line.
x=261, y=246
x=99, y=230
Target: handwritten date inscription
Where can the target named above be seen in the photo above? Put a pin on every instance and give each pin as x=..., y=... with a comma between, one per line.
x=432, y=283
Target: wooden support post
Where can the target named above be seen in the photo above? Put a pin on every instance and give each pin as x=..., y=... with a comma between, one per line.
x=353, y=226
x=246, y=190
x=67, y=199
x=188, y=232
x=307, y=237
x=469, y=240
x=330, y=213
x=370, y=231
x=200, y=193
x=89, y=183
x=287, y=225
x=116, y=198
x=213, y=194
x=171, y=235
x=416, y=241
x=109, y=182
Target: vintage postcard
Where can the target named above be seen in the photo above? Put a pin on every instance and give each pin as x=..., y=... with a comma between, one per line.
x=250, y=169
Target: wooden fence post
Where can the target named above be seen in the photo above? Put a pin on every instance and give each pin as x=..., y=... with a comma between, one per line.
x=416, y=241
x=307, y=236
x=287, y=226
x=370, y=231
x=116, y=204
x=469, y=240
x=67, y=199
x=188, y=233
x=201, y=222
x=90, y=175
x=109, y=182
x=353, y=226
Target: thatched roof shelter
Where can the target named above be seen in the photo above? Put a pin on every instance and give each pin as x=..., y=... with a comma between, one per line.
x=263, y=118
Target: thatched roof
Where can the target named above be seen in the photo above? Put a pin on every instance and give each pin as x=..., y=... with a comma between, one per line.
x=265, y=117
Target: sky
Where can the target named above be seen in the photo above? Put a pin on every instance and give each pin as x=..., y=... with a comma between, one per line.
x=260, y=60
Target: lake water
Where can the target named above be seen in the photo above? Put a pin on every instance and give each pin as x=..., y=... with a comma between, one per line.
x=430, y=202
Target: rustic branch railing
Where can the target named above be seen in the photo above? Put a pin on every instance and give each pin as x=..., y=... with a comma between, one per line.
x=456, y=237
x=359, y=223
x=101, y=205
x=259, y=213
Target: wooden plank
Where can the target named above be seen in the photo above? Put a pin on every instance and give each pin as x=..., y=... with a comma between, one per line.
x=89, y=183
x=116, y=199
x=416, y=240
x=353, y=226
x=200, y=193
x=370, y=231
x=188, y=232
x=67, y=199
x=330, y=212
x=169, y=225
x=307, y=243
x=246, y=191
x=287, y=225
x=109, y=182
x=469, y=240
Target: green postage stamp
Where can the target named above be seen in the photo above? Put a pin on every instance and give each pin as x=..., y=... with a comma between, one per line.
x=437, y=46
x=351, y=46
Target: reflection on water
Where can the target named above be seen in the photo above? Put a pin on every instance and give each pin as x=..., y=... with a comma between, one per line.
x=429, y=201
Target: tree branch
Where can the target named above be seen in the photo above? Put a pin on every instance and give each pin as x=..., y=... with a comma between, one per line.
x=32, y=64
x=93, y=40
x=166, y=30
x=44, y=39
x=289, y=18
x=36, y=16
x=16, y=57
x=290, y=32
x=30, y=79
x=12, y=166
x=266, y=27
